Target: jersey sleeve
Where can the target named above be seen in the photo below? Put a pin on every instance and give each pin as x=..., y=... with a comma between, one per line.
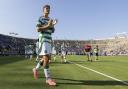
x=40, y=22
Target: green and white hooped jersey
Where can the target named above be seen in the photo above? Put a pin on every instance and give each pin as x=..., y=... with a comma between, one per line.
x=95, y=50
x=46, y=35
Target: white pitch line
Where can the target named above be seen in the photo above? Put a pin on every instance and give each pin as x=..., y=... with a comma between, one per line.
x=100, y=73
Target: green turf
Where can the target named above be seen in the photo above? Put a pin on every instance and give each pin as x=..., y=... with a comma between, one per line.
x=16, y=73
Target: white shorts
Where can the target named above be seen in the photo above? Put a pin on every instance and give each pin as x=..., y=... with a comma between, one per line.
x=88, y=53
x=54, y=52
x=45, y=48
x=29, y=52
x=63, y=53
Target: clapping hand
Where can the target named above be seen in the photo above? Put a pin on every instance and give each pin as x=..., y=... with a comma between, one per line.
x=54, y=21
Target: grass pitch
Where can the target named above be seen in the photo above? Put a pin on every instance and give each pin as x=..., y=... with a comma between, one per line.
x=16, y=73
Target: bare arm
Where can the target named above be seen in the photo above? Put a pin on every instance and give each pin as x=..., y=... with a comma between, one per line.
x=44, y=27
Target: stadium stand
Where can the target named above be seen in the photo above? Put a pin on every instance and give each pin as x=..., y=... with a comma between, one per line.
x=10, y=45
x=118, y=45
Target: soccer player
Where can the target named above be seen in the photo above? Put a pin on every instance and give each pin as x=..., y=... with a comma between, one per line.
x=26, y=51
x=88, y=50
x=63, y=53
x=45, y=28
x=37, y=49
x=29, y=51
x=96, y=51
x=54, y=53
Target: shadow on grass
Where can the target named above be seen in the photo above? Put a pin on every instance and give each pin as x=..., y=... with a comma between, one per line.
x=90, y=82
x=69, y=62
x=10, y=59
x=60, y=63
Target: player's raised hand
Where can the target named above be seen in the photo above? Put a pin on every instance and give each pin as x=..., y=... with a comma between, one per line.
x=50, y=23
x=55, y=21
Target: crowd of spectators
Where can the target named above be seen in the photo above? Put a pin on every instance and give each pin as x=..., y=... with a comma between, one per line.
x=117, y=47
x=10, y=45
